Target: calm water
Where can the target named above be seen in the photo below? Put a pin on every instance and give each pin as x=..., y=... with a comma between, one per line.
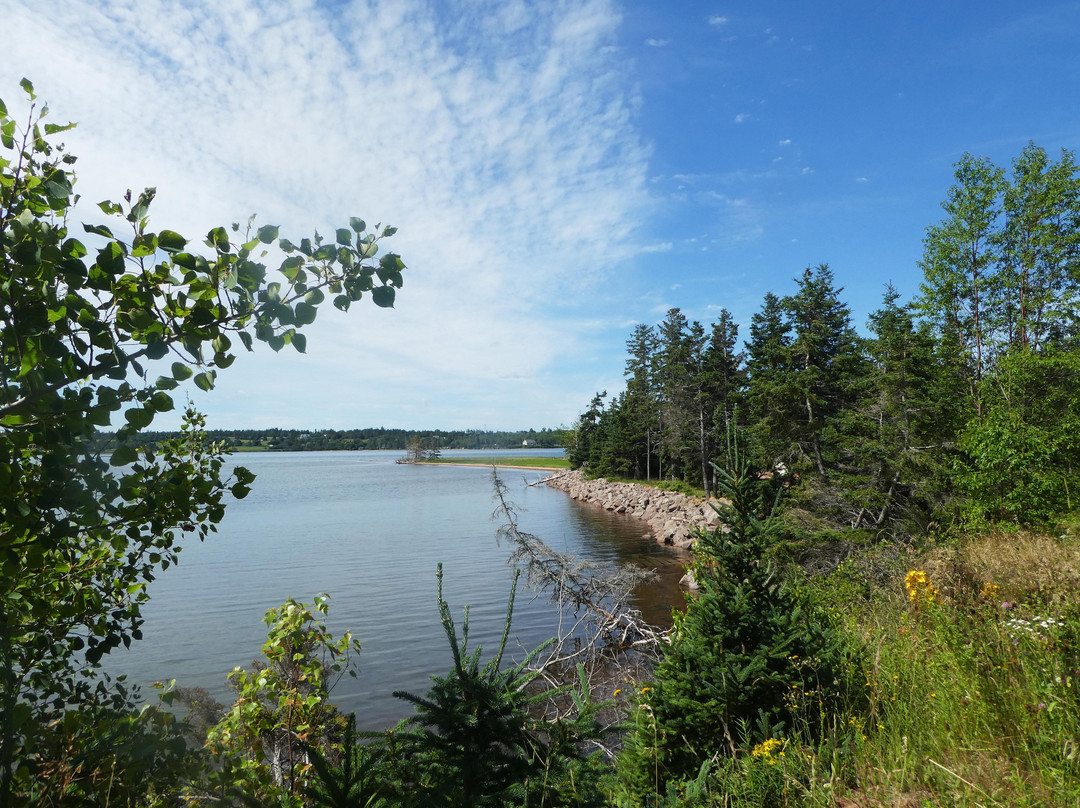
x=370, y=533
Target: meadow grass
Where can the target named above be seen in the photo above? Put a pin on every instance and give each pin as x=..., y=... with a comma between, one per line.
x=963, y=686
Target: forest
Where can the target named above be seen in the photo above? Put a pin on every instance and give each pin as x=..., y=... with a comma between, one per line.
x=958, y=407
x=887, y=609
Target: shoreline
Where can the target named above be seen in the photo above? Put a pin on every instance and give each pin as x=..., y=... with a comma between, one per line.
x=672, y=518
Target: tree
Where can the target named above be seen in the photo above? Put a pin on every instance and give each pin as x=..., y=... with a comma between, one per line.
x=825, y=367
x=958, y=257
x=905, y=419
x=748, y=660
x=768, y=357
x=282, y=711
x=83, y=339
x=643, y=409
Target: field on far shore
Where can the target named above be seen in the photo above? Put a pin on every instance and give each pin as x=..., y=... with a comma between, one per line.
x=553, y=463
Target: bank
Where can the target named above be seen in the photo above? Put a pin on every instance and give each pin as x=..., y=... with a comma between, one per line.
x=672, y=518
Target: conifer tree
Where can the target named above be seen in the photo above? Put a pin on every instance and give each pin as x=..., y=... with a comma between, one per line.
x=904, y=421
x=826, y=368
x=745, y=646
x=768, y=358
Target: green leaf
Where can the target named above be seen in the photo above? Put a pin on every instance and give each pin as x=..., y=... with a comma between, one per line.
x=299, y=341
x=219, y=239
x=304, y=313
x=161, y=402
x=28, y=87
x=170, y=241
x=185, y=260
x=180, y=371
x=383, y=296
x=342, y=302
x=268, y=233
x=344, y=236
x=122, y=456
x=388, y=231
x=139, y=417
x=205, y=380
x=357, y=224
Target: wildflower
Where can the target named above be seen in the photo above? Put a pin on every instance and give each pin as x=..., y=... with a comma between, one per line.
x=618, y=690
x=646, y=689
x=919, y=589
x=765, y=749
x=989, y=591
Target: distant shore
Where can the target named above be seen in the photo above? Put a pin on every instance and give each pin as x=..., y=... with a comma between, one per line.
x=526, y=463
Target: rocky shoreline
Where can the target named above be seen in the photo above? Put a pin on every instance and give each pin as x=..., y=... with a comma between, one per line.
x=672, y=518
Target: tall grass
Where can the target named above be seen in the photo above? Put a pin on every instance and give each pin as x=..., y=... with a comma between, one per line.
x=964, y=687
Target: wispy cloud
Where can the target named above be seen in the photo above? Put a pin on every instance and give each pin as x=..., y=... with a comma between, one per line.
x=497, y=136
x=657, y=248
x=657, y=43
x=741, y=117
x=717, y=20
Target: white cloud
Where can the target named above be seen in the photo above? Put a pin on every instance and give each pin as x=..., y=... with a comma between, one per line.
x=785, y=142
x=657, y=248
x=861, y=179
x=657, y=43
x=741, y=117
x=717, y=20
x=495, y=135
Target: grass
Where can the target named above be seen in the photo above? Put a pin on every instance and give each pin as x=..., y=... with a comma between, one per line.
x=526, y=462
x=964, y=686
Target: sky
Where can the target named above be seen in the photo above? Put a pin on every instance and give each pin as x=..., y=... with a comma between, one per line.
x=558, y=171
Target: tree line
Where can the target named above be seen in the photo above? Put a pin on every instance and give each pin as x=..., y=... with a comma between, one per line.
x=321, y=440
x=960, y=403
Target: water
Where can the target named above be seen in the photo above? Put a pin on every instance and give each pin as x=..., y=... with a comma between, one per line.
x=370, y=533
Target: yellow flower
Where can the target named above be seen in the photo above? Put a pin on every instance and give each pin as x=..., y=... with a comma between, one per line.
x=989, y=591
x=919, y=589
x=766, y=749
x=618, y=690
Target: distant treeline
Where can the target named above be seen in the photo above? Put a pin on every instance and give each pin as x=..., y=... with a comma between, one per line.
x=303, y=440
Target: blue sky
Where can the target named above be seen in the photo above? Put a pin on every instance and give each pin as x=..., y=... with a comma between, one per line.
x=558, y=171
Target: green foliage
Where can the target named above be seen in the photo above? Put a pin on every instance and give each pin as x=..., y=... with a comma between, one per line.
x=103, y=332
x=282, y=707
x=679, y=487
x=477, y=738
x=1021, y=455
x=133, y=757
x=749, y=659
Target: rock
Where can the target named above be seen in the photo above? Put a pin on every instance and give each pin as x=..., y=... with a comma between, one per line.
x=672, y=518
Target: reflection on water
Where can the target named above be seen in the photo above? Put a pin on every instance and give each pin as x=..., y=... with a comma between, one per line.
x=370, y=533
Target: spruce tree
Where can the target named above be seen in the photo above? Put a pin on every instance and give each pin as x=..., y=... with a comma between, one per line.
x=741, y=655
x=767, y=366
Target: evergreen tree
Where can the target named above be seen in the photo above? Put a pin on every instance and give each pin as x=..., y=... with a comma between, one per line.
x=674, y=384
x=767, y=366
x=826, y=369
x=905, y=422
x=642, y=406
x=743, y=656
